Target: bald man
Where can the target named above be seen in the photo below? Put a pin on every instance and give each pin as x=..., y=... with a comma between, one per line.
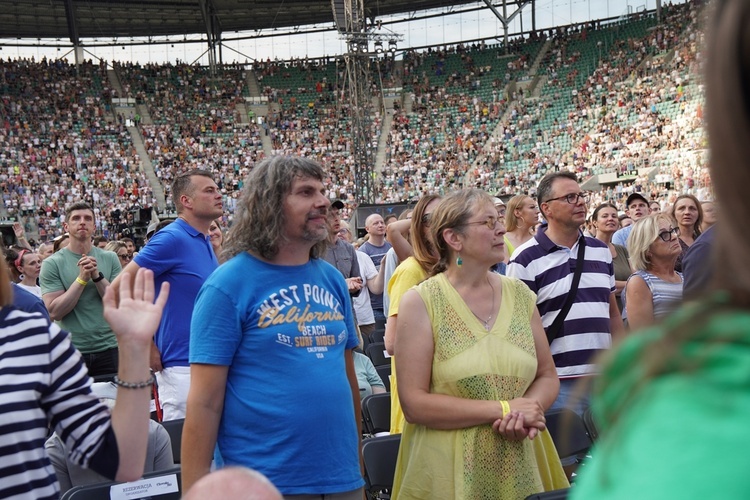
x=238, y=483
x=376, y=247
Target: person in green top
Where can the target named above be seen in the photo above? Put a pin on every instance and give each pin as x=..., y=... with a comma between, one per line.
x=73, y=282
x=673, y=402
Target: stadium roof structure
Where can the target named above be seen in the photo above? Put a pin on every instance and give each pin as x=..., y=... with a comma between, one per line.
x=76, y=19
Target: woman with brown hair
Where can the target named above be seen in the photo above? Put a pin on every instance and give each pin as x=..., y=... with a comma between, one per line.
x=606, y=222
x=410, y=272
x=25, y=266
x=476, y=370
x=217, y=238
x=521, y=216
x=672, y=402
x=688, y=213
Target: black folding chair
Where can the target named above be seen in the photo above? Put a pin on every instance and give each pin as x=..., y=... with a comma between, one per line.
x=106, y=377
x=380, y=324
x=588, y=421
x=376, y=352
x=385, y=374
x=379, y=455
x=377, y=336
x=550, y=495
x=568, y=432
x=170, y=478
x=376, y=412
x=174, y=429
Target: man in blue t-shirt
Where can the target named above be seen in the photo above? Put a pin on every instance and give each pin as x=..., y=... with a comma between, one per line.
x=376, y=247
x=271, y=346
x=181, y=254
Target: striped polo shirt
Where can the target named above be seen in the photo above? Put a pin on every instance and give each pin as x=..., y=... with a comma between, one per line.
x=548, y=270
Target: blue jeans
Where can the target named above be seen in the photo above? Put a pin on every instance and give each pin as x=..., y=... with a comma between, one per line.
x=347, y=495
x=378, y=313
x=572, y=396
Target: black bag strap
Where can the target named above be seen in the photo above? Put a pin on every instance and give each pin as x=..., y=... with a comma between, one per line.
x=555, y=327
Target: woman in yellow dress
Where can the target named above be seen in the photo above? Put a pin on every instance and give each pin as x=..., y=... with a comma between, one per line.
x=410, y=272
x=475, y=370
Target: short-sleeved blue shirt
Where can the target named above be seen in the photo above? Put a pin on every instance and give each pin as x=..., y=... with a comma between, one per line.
x=181, y=255
x=284, y=332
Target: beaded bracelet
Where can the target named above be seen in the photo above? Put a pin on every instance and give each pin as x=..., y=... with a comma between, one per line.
x=506, y=407
x=134, y=385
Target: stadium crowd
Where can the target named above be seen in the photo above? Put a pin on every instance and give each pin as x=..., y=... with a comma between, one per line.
x=530, y=125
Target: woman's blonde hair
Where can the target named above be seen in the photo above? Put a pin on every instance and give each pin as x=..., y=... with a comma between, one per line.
x=114, y=246
x=644, y=234
x=453, y=213
x=511, y=220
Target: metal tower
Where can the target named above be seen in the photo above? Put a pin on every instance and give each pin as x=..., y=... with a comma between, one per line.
x=351, y=21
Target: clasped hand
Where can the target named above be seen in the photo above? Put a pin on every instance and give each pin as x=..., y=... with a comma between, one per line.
x=88, y=269
x=525, y=419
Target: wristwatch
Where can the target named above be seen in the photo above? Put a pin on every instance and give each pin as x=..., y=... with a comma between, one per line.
x=98, y=278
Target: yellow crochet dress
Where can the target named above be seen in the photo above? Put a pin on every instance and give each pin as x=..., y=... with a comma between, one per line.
x=472, y=363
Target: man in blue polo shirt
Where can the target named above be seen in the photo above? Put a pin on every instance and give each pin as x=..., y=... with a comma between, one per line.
x=181, y=254
x=547, y=263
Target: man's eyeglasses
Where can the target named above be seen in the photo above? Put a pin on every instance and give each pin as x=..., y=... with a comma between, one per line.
x=125, y=256
x=666, y=235
x=572, y=198
x=490, y=222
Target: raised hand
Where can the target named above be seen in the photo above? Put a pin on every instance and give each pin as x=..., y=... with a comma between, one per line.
x=137, y=316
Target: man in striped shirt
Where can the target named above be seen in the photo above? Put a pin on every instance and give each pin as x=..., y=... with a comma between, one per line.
x=547, y=263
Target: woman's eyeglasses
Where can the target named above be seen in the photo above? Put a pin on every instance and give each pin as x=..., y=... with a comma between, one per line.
x=666, y=235
x=125, y=256
x=490, y=222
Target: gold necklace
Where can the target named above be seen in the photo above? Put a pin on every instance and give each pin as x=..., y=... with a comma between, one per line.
x=486, y=322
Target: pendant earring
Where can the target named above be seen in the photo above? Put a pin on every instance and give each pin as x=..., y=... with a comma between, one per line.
x=459, y=261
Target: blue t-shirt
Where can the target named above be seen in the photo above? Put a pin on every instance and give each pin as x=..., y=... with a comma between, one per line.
x=284, y=332
x=181, y=255
x=27, y=301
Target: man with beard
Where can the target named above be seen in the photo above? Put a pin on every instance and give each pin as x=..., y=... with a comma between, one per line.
x=271, y=346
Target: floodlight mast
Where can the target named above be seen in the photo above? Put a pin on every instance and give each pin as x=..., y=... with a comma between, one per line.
x=356, y=94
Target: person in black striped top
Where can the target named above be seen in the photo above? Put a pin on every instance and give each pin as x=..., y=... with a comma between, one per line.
x=43, y=380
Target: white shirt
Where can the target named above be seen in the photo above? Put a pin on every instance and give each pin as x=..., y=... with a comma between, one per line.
x=362, y=307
